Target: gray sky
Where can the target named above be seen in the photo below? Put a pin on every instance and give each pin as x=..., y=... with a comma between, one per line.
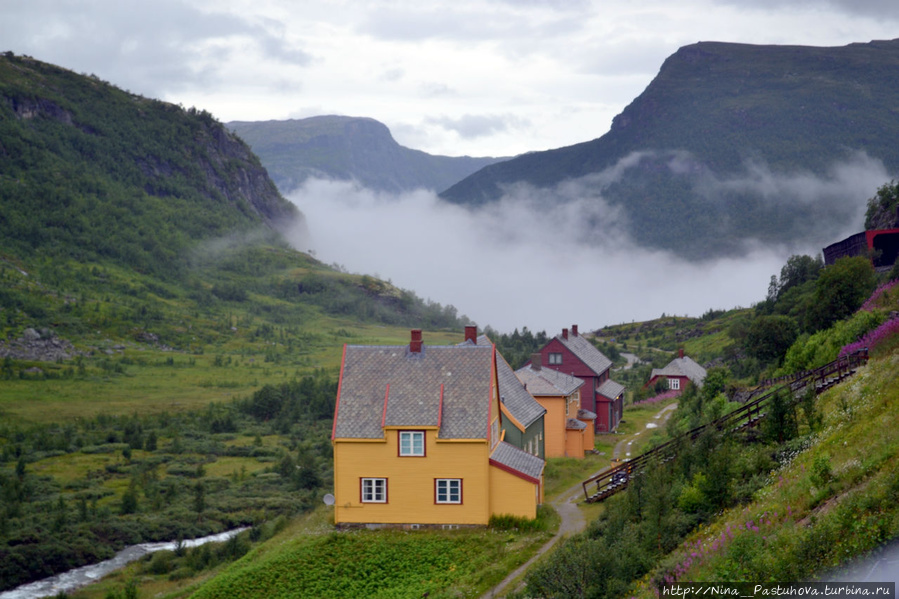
x=453, y=77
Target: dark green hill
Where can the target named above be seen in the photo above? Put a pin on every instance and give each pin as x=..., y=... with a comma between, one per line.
x=88, y=171
x=138, y=219
x=715, y=112
x=349, y=148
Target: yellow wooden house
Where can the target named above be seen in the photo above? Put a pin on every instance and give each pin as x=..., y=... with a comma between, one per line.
x=417, y=439
x=568, y=427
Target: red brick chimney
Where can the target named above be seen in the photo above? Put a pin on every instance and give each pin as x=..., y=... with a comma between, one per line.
x=564, y=333
x=536, y=361
x=415, y=344
x=574, y=330
x=680, y=352
x=471, y=334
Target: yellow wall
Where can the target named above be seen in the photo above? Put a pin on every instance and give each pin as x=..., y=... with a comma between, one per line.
x=514, y=496
x=410, y=481
x=589, y=434
x=574, y=444
x=553, y=425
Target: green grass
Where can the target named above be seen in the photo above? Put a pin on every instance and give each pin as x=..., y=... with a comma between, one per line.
x=833, y=501
x=386, y=563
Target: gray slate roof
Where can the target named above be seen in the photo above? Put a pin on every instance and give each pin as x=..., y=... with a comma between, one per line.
x=682, y=367
x=586, y=353
x=574, y=425
x=611, y=389
x=521, y=461
x=516, y=398
x=414, y=396
x=583, y=414
x=547, y=382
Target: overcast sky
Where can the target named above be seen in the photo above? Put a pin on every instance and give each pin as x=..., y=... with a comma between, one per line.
x=452, y=77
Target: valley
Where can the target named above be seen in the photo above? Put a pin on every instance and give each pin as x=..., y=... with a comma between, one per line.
x=169, y=364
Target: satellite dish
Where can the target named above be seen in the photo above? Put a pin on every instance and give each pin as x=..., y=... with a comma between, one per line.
x=328, y=499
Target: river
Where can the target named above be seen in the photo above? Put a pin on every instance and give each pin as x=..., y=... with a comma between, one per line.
x=79, y=577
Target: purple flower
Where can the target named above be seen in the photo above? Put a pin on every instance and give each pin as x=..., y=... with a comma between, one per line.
x=873, y=338
x=871, y=301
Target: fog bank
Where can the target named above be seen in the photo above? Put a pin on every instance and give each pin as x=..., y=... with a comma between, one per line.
x=516, y=264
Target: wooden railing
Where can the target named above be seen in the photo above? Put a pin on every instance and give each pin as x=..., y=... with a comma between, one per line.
x=617, y=478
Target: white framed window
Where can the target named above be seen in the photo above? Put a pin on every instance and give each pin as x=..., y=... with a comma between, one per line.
x=412, y=443
x=674, y=384
x=448, y=490
x=555, y=358
x=374, y=490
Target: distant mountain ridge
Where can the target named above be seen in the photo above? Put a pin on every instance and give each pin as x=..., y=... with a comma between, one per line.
x=720, y=122
x=349, y=149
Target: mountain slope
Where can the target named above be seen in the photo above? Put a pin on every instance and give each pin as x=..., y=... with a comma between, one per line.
x=728, y=140
x=138, y=219
x=90, y=171
x=349, y=148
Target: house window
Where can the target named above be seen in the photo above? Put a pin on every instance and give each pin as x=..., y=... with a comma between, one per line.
x=448, y=490
x=412, y=443
x=555, y=358
x=374, y=490
x=674, y=384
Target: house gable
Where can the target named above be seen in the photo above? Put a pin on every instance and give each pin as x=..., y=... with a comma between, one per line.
x=416, y=438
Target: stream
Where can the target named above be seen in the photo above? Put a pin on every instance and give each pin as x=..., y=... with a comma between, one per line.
x=85, y=575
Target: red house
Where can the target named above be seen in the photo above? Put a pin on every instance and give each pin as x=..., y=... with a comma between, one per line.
x=679, y=372
x=571, y=354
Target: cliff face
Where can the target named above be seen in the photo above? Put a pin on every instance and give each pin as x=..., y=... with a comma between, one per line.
x=89, y=169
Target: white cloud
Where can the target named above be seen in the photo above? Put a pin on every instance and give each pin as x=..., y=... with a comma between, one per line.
x=548, y=258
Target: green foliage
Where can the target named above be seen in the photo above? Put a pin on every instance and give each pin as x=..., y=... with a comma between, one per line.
x=769, y=337
x=780, y=422
x=383, y=563
x=812, y=351
x=507, y=522
x=841, y=289
x=136, y=181
x=517, y=347
x=798, y=270
x=68, y=499
x=881, y=210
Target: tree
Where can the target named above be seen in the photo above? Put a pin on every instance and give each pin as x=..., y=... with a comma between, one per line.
x=199, y=498
x=769, y=337
x=881, y=212
x=797, y=271
x=840, y=290
x=129, y=500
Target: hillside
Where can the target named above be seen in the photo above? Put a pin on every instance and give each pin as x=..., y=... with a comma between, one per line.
x=89, y=171
x=166, y=359
x=734, y=142
x=349, y=149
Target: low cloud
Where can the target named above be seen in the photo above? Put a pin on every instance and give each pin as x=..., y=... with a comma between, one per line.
x=519, y=262
x=549, y=258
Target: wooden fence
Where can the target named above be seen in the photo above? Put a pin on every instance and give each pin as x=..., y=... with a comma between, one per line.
x=616, y=479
